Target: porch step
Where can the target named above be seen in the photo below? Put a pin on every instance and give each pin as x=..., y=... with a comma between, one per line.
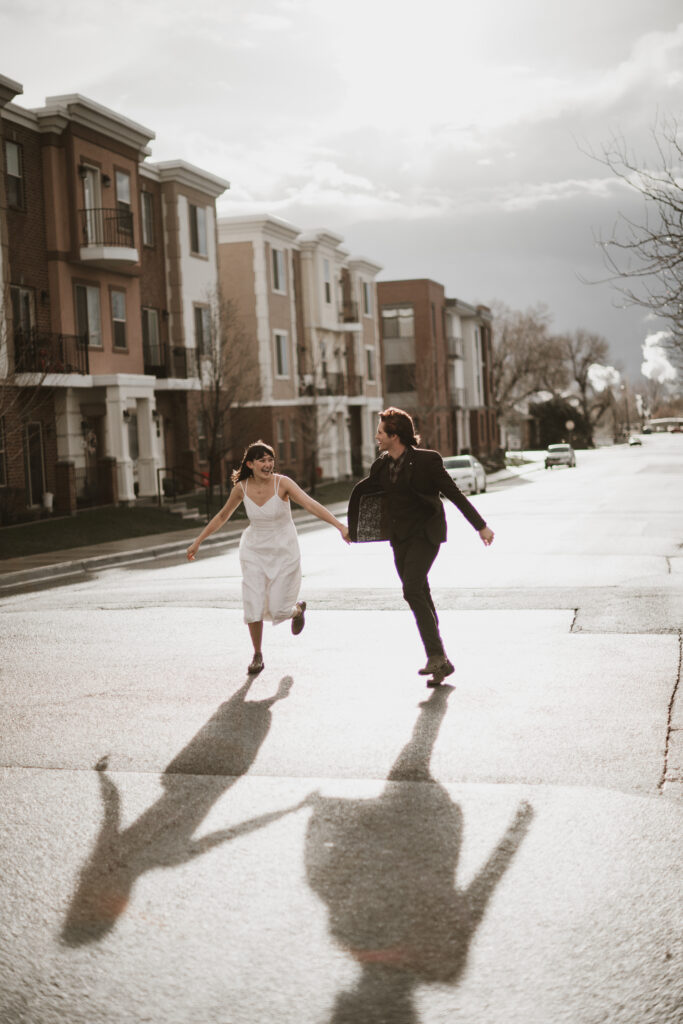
x=181, y=509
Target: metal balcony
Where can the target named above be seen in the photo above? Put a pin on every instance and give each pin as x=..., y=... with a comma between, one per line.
x=107, y=238
x=37, y=352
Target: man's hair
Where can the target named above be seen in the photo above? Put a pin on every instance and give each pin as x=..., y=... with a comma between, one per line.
x=398, y=423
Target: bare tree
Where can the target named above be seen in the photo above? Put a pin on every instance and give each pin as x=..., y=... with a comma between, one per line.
x=644, y=256
x=527, y=358
x=583, y=352
x=229, y=379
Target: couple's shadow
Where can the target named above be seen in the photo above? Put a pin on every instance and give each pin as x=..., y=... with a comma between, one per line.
x=385, y=868
x=215, y=758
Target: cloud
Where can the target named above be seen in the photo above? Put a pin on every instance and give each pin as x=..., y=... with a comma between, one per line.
x=656, y=365
x=602, y=378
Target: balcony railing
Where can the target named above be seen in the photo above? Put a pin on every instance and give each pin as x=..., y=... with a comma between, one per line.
x=107, y=227
x=36, y=352
x=455, y=348
x=348, y=314
x=156, y=359
x=184, y=363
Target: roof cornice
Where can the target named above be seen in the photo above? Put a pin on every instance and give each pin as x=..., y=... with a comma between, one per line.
x=60, y=110
x=232, y=229
x=191, y=177
x=9, y=89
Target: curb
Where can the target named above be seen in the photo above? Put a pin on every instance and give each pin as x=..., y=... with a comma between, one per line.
x=12, y=582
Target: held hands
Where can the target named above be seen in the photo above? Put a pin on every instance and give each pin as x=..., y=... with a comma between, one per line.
x=487, y=536
x=192, y=551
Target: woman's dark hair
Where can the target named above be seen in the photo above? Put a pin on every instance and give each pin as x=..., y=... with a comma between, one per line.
x=254, y=451
x=399, y=424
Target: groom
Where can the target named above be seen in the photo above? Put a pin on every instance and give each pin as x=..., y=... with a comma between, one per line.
x=409, y=480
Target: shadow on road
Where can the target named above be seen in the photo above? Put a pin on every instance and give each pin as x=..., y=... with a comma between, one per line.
x=222, y=751
x=386, y=870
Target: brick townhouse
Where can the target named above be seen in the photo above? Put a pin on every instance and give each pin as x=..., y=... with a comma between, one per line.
x=437, y=365
x=107, y=265
x=309, y=311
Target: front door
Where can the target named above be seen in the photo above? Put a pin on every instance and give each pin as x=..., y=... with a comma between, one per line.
x=34, y=463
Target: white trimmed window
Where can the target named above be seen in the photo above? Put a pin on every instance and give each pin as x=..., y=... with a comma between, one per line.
x=118, y=318
x=279, y=278
x=281, y=354
x=14, y=170
x=202, y=330
x=151, y=344
x=147, y=203
x=88, y=313
x=327, y=279
x=198, y=235
x=367, y=298
x=370, y=363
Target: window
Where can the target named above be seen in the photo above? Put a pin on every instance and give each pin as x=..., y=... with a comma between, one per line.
x=202, y=330
x=367, y=298
x=23, y=310
x=279, y=279
x=400, y=377
x=292, y=443
x=398, y=322
x=370, y=363
x=328, y=281
x=14, y=167
x=281, y=449
x=123, y=204
x=118, y=317
x=281, y=360
x=88, y=314
x=147, y=218
x=198, y=230
x=3, y=454
x=151, y=345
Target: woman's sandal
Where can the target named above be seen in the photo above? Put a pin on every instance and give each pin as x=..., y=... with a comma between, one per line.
x=299, y=619
x=256, y=665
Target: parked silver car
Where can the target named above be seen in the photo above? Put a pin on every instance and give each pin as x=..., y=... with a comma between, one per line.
x=559, y=455
x=468, y=473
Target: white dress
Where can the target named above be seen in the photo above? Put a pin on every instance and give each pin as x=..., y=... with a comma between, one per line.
x=270, y=559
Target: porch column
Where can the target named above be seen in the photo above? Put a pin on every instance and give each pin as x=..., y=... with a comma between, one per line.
x=117, y=443
x=148, y=460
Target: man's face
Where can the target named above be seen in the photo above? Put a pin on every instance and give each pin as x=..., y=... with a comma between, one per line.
x=382, y=438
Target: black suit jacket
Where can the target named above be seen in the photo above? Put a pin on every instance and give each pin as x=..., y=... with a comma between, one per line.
x=427, y=478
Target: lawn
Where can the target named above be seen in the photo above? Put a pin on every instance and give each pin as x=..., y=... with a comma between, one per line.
x=99, y=525
x=93, y=526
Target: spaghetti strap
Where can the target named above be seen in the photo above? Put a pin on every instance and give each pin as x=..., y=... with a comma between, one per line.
x=278, y=478
x=244, y=490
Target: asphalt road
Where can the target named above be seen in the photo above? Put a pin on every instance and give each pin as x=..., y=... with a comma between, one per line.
x=333, y=842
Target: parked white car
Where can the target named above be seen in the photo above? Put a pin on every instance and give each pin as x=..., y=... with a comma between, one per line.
x=559, y=455
x=468, y=473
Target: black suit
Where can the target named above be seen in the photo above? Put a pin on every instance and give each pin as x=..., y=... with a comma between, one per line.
x=414, y=521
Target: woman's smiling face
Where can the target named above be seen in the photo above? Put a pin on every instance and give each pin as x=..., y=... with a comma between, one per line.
x=262, y=468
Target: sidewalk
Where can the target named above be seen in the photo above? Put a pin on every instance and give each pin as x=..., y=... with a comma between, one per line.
x=51, y=566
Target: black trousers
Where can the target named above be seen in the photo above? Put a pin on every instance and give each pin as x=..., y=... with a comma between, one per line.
x=414, y=558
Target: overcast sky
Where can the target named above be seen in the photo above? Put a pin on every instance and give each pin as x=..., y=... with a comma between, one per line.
x=442, y=139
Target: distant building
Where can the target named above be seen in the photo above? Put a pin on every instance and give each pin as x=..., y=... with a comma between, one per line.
x=437, y=365
x=106, y=262
x=311, y=313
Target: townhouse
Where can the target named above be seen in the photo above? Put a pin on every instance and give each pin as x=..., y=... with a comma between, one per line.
x=107, y=262
x=437, y=365
x=310, y=312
